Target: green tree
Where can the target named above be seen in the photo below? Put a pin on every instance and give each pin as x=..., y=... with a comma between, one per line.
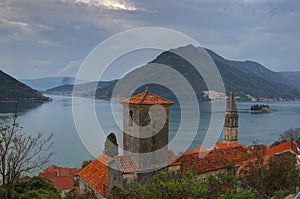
x=111, y=145
x=280, y=174
x=164, y=185
x=85, y=163
x=20, y=153
x=36, y=188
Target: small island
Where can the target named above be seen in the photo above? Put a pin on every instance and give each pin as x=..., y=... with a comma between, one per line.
x=260, y=108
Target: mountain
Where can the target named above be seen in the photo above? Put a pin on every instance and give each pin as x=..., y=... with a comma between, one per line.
x=43, y=84
x=247, y=79
x=292, y=78
x=80, y=89
x=13, y=90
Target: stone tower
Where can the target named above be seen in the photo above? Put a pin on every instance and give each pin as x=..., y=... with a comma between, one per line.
x=146, y=129
x=231, y=121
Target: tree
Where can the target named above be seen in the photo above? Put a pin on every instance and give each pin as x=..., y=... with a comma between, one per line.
x=20, y=153
x=37, y=187
x=111, y=145
x=291, y=134
x=164, y=185
x=280, y=174
x=85, y=163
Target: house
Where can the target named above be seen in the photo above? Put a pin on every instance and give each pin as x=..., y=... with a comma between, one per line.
x=94, y=177
x=63, y=178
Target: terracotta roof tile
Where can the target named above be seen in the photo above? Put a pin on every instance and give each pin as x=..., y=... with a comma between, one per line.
x=214, y=160
x=283, y=147
x=146, y=98
x=63, y=183
x=222, y=145
x=61, y=177
x=96, y=174
x=199, y=149
x=126, y=164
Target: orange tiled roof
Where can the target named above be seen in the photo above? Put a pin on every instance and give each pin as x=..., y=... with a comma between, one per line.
x=222, y=145
x=199, y=149
x=63, y=182
x=146, y=98
x=96, y=174
x=126, y=164
x=283, y=147
x=55, y=171
x=214, y=160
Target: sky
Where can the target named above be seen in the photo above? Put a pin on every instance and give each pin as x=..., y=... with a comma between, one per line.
x=42, y=38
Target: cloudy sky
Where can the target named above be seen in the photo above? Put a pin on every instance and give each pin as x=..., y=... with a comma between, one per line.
x=40, y=38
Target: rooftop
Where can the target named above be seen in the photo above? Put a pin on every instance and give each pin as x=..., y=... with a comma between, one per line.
x=96, y=174
x=146, y=98
x=283, y=147
x=62, y=177
x=214, y=160
x=126, y=164
x=231, y=105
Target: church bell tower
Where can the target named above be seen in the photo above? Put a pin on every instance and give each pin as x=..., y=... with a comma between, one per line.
x=231, y=121
x=146, y=129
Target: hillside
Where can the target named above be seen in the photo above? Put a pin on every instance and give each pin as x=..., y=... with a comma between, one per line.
x=13, y=90
x=245, y=78
x=81, y=89
x=43, y=84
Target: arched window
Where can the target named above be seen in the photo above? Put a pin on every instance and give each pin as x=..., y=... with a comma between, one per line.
x=130, y=118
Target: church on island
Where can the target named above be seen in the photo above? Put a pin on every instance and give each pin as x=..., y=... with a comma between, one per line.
x=145, y=145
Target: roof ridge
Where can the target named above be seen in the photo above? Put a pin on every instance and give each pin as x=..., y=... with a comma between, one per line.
x=146, y=92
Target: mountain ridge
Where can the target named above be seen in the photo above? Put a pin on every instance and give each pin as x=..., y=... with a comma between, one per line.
x=13, y=90
x=248, y=79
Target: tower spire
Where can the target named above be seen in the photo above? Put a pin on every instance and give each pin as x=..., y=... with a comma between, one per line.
x=231, y=121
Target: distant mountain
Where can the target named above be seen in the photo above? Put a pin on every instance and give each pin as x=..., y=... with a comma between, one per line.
x=291, y=78
x=43, y=84
x=13, y=90
x=249, y=80
x=80, y=89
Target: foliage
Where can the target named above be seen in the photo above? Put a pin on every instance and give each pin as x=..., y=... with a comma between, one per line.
x=164, y=185
x=291, y=134
x=12, y=89
x=111, y=145
x=20, y=153
x=38, y=187
x=279, y=174
x=85, y=163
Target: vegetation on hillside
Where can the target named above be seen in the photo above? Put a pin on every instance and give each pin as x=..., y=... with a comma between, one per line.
x=13, y=90
x=243, y=78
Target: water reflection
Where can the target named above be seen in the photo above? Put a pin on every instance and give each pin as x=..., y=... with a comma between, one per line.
x=19, y=107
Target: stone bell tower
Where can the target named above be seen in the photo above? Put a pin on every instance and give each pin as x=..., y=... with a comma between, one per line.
x=146, y=129
x=231, y=121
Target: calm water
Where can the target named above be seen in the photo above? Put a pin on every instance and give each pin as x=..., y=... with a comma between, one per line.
x=73, y=145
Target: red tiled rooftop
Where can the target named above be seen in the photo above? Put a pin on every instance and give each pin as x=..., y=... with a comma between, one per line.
x=283, y=147
x=96, y=174
x=199, y=149
x=146, y=98
x=126, y=164
x=55, y=171
x=63, y=183
x=222, y=145
x=214, y=160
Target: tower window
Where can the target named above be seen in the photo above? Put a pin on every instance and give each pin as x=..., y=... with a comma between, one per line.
x=130, y=118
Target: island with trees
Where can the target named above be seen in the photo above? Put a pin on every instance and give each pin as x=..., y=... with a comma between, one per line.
x=260, y=108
